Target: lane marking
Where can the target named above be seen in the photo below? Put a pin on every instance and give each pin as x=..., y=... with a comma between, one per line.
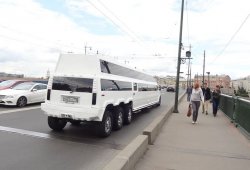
x=20, y=110
x=25, y=132
x=85, y=141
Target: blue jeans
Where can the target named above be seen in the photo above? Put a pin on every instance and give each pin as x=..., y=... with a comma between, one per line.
x=215, y=106
x=195, y=107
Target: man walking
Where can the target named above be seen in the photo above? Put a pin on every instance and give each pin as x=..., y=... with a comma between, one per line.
x=207, y=97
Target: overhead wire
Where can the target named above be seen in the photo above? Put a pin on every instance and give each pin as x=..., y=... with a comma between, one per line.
x=231, y=39
x=122, y=27
x=113, y=22
x=35, y=38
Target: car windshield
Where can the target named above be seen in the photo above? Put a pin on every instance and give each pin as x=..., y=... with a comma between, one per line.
x=7, y=83
x=24, y=86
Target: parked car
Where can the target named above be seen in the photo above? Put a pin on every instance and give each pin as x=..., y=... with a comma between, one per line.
x=24, y=93
x=8, y=84
x=170, y=89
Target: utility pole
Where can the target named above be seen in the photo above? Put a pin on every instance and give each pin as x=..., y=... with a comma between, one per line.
x=85, y=48
x=179, y=62
x=190, y=80
x=203, y=69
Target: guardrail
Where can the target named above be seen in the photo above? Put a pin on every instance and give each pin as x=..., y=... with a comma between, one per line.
x=238, y=110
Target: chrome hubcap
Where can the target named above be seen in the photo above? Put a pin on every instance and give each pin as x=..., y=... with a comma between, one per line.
x=120, y=119
x=108, y=125
x=129, y=115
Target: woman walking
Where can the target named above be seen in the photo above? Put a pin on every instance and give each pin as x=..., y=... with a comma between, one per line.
x=196, y=98
x=216, y=98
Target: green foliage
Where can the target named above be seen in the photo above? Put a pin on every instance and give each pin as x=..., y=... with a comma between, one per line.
x=242, y=92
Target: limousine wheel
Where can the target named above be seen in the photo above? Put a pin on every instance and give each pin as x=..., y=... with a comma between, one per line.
x=118, y=118
x=127, y=114
x=105, y=127
x=56, y=124
x=75, y=122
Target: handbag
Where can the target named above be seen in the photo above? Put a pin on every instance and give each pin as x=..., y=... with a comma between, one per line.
x=189, y=113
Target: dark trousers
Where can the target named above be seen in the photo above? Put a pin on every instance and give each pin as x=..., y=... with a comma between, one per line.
x=188, y=97
x=215, y=106
x=195, y=107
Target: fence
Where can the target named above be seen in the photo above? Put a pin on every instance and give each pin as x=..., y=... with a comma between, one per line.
x=237, y=109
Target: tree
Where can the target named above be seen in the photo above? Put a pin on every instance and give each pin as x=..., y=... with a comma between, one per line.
x=242, y=92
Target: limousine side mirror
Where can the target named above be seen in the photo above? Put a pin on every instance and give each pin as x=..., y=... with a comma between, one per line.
x=34, y=90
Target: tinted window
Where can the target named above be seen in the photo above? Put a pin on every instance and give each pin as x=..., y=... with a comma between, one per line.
x=147, y=87
x=24, y=86
x=72, y=84
x=112, y=85
x=135, y=86
x=111, y=68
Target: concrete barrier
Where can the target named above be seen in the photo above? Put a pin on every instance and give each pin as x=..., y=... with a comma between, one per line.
x=153, y=129
x=127, y=158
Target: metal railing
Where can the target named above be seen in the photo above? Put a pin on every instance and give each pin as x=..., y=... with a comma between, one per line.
x=237, y=109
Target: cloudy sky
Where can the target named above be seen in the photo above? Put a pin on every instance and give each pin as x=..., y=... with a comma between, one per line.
x=140, y=33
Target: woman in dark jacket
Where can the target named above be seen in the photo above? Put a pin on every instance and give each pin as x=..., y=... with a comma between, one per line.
x=216, y=98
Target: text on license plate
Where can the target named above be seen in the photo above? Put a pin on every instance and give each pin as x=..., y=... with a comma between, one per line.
x=70, y=99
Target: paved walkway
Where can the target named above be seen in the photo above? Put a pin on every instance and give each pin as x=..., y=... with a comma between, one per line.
x=212, y=144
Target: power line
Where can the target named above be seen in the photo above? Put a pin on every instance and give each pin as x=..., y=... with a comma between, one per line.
x=118, y=19
x=231, y=39
x=113, y=22
x=35, y=38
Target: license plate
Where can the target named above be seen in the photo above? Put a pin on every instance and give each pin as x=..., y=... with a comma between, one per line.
x=66, y=116
x=70, y=99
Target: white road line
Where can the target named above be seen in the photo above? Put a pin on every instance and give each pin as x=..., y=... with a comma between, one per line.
x=20, y=110
x=25, y=132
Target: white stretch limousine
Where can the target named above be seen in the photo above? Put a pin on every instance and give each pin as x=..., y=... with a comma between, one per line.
x=89, y=88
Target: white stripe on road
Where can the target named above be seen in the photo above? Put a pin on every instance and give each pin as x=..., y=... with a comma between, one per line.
x=20, y=110
x=25, y=132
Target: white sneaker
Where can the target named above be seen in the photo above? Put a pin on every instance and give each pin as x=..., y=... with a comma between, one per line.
x=192, y=122
x=195, y=122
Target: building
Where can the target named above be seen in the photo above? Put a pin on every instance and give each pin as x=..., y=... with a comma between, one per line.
x=3, y=74
x=170, y=80
x=213, y=80
x=242, y=82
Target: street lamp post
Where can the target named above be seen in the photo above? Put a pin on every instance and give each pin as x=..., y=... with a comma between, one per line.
x=208, y=79
x=85, y=48
x=178, y=62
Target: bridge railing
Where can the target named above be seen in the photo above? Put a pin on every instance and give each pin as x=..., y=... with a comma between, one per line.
x=237, y=109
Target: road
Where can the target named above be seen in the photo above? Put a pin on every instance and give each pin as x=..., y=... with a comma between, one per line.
x=27, y=143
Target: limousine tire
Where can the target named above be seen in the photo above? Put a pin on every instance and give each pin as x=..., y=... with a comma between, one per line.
x=118, y=118
x=127, y=114
x=56, y=124
x=75, y=122
x=104, y=128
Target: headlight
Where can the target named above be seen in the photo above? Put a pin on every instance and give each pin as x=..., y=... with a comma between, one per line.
x=9, y=97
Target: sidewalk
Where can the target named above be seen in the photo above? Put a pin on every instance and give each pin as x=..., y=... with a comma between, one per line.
x=212, y=144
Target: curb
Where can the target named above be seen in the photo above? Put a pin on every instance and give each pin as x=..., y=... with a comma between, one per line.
x=128, y=157
x=153, y=129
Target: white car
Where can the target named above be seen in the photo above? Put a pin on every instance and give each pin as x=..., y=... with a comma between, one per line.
x=24, y=93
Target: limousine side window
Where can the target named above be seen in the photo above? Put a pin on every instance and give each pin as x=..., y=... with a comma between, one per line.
x=111, y=68
x=114, y=85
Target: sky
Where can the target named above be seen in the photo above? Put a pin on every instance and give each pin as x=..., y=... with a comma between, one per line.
x=143, y=34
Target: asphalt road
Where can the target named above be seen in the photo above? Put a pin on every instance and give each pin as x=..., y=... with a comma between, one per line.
x=27, y=143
